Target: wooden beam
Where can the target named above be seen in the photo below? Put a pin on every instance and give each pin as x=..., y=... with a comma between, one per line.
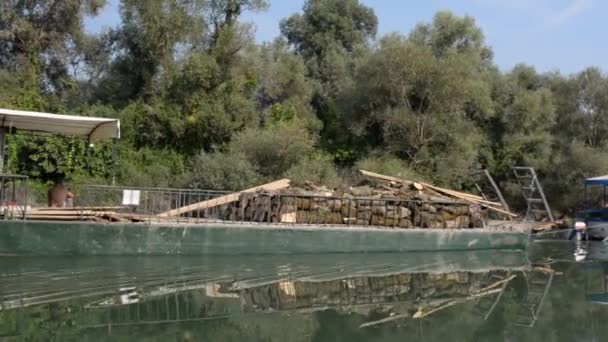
x=99, y=208
x=457, y=194
x=426, y=185
x=461, y=195
x=278, y=185
x=416, y=185
x=386, y=178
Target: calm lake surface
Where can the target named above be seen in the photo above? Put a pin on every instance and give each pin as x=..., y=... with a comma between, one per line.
x=542, y=295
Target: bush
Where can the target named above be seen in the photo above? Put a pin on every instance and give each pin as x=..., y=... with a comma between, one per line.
x=275, y=149
x=149, y=168
x=220, y=171
x=318, y=169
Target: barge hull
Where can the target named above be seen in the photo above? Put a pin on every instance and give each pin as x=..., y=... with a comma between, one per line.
x=40, y=238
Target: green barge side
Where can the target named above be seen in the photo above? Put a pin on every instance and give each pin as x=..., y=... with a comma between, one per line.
x=46, y=238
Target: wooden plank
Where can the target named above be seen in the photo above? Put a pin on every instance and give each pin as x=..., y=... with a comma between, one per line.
x=416, y=185
x=102, y=208
x=58, y=218
x=461, y=195
x=426, y=185
x=386, y=178
x=277, y=185
x=68, y=213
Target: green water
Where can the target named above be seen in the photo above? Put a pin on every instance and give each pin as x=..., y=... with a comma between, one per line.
x=542, y=295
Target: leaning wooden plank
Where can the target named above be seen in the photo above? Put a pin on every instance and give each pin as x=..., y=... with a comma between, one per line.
x=462, y=195
x=448, y=192
x=415, y=185
x=278, y=185
x=388, y=178
x=457, y=194
x=453, y=192
x=485, y=204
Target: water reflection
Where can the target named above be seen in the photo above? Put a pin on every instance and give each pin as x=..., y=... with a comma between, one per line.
x=484, y=295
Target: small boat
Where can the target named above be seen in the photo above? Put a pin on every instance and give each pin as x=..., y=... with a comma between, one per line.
x=592, y=222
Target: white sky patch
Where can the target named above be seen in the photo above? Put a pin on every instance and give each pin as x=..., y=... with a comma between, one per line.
x=574, y=9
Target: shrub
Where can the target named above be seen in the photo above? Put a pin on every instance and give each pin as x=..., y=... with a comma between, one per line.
x=220, y=171
x=318, y=169
x=275, y=149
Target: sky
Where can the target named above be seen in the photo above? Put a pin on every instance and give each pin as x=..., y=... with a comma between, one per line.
x=551, y=35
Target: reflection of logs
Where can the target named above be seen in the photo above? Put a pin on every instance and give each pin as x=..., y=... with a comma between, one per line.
x=419, y=287
x=391, y=213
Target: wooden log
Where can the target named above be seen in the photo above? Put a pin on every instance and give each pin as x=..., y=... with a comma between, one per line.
x=278, y=185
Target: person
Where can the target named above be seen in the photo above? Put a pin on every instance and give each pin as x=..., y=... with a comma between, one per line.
x=59, y=195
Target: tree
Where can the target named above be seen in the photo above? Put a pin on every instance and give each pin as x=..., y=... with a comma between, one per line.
x=525, y=117
x=582, y=107
x=40, y=38
x=419, y=102
x=329, y=24
x=330, y=35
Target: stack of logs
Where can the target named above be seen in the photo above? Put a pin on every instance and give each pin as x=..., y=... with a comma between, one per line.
x=371, y=204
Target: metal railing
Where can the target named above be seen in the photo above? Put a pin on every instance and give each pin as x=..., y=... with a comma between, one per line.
x=186, y=205
x=13, y=196
x=137, y=204
x=149, y=202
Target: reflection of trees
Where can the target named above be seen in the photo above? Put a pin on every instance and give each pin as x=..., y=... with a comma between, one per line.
x=332, y=310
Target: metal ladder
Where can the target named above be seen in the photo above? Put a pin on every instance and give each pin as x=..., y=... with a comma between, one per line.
x=488, y=189
x=529, y=310
x=533, y=193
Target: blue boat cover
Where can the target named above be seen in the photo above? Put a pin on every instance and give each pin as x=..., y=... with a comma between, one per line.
x=603, y=180
x=598, y=298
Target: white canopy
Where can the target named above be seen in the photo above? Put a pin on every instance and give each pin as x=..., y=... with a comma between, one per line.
x=81, y=126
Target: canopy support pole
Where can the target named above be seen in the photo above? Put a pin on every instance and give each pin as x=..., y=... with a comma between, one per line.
x=114, y=143
x=89, y=156
x=2, y=144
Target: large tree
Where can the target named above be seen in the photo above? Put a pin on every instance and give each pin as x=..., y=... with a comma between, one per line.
x=330, y=35
x=40, y=40
x=419, y=102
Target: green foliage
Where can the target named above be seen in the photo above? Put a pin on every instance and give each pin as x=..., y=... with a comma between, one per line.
x=220, y=171
x=42, y=37
x=202, y=105
x=149, y=168
x=275, y=149
x=329, y=24
x=47, y=157
x=564, y=179
x=318, y=169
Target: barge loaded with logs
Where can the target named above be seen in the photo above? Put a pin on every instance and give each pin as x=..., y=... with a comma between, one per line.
x=382, y=214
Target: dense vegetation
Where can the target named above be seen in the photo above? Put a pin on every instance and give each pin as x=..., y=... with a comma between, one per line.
x=202, y=105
